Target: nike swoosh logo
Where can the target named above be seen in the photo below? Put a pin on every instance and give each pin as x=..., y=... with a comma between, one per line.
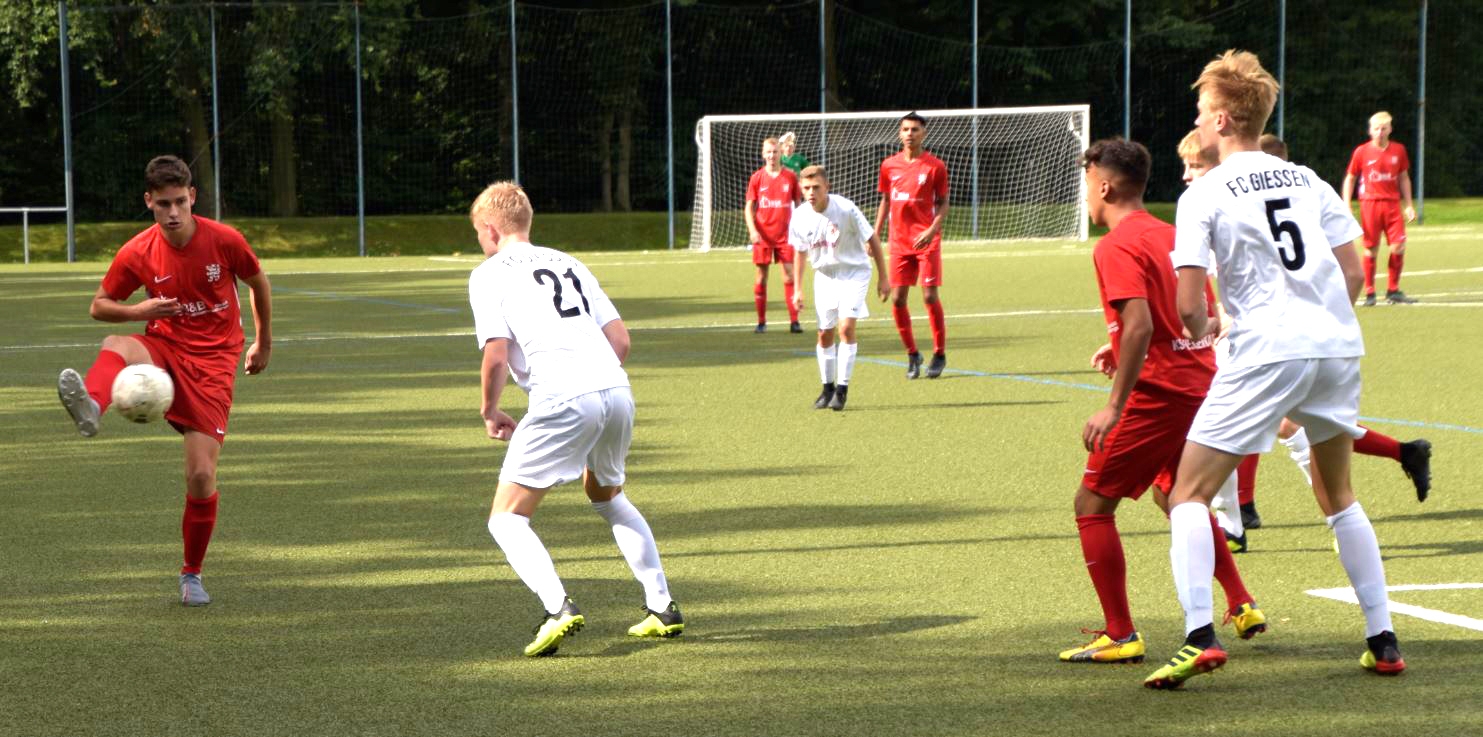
x=159, y=279
x=220, y=431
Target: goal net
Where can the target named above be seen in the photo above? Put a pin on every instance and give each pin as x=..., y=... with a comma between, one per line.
x=1013, y=172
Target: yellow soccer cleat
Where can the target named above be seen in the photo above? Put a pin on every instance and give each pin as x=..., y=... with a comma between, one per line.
x=1249, y=620
x=555, y=627
x=1189, y=662
x=668, y=623
x=1104, y=649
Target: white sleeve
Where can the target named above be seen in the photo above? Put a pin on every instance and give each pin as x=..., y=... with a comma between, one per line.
x=1192, y=231
x=489, y=317
x=602, y=308
x=1339, y=225
x=862, y=226
x=795, y=234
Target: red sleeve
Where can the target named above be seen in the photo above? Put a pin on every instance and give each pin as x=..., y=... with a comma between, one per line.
x=884, y=185
x=1120, y=273
x=797, y=188
x=941, y=180
x=240, y=257
x=752, y=188
x=1354, y=159
x=121, y=280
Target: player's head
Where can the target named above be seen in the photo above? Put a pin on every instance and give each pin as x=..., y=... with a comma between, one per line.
x=1380, y=127
x=787, y=141
x=1197, y=159
x=815, y=184
x=912, y=130
x=500, y=211
x=1273, y=146
x=168, y=192
x=1236, y=98
x=770, y=152
x=1117, y=173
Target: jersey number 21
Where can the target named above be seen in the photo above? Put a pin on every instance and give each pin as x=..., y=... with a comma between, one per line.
x=544, y=275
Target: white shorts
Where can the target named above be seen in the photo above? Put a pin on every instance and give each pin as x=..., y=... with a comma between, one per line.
x=556, y=440
x=1245, y=406
x=835, y=299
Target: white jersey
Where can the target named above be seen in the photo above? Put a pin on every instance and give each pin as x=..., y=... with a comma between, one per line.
x=1272, y=226
x=835, y=238
x=551, y=309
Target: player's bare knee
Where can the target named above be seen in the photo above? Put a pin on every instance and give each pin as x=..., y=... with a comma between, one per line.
x=200, y=483
x=826, y=338
x=127, y=346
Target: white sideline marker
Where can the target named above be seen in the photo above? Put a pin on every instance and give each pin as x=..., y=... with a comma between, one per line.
x=1346, y=595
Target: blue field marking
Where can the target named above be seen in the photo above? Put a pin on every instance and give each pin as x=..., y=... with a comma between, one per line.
x=373, y=300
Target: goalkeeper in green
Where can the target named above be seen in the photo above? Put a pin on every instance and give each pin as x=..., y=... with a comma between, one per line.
x=791, y=158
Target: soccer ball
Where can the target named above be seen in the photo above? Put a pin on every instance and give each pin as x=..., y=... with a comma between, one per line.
x=142, y=392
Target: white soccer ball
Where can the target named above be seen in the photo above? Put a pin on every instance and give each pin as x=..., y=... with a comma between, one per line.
x=142, y=392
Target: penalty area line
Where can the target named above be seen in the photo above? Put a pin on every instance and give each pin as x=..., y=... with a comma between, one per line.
x=1347, y=596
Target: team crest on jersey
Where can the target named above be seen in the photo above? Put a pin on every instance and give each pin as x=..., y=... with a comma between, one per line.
x=786, y=187
x=921, y=179
x=1394, y=159
x=213, y=272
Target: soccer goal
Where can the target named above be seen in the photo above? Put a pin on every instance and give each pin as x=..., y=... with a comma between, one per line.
x=1013, y=172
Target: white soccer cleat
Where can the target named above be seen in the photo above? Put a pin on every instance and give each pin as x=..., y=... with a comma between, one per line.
x=79, y=405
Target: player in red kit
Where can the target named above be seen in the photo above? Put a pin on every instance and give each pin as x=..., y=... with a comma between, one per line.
x=1384, y=173
x=771, y=194
x=1160, y=379
x=913, y=187
x=189, y=267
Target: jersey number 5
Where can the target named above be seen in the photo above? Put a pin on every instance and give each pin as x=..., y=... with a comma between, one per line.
x=1298, y=258
x=542, y=275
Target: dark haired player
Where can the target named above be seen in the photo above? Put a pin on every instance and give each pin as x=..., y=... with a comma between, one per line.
x=913, y=185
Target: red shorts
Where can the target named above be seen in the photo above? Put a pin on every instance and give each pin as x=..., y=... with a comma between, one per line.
x=203, y=386
x=907, y=264
x=1144, y=447
x=765, y=253
x=1382, y=216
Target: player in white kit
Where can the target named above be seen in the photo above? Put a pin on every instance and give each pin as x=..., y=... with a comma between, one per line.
x=1283, y=242
x=541, y=315
x=840, y=244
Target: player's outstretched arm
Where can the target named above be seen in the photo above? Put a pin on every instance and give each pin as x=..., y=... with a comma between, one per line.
x=107, y=309
x=617, y=334
x=1133, y=339
x=492, y=377
x=1354, y=272
x=877, y=254
x=262, y=322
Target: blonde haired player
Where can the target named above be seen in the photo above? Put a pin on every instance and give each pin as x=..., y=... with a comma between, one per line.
x=1384, y=173
x=841, y=246
x=1282, y=240
x=771, y=194
x=541, y=315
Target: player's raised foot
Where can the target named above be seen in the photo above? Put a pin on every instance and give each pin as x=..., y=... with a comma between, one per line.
x=555, y=627
x=939, y=362
x=913, y=365
x=192, y=593
x=79, y=405
x=668, y=623
x=1201, y=653
x=1249, y=620
x=824, y=397
x=1104, y=649
x=1236, y=543
x=1369, y=299
x=1416, y=461
x=761, y=328
x=841, y=394
x=1397, y=297
x=794, y=327
x=1249, y=518
x=1383, y=655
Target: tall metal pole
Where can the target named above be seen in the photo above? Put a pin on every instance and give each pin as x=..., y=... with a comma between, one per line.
x=514, y=97
x=975, y=120
x=1421, y=123
x=1128, y=69
x=1281, y=68
x=215, y=128
x=67, y=133
x=669, y=114
x=360, y=147
x=823, y=90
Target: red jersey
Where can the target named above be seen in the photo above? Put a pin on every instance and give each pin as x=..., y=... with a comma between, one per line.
x=775, y=196
x=1133, y=262
x=913, y=188
x=1379, y=170
x=203, y=276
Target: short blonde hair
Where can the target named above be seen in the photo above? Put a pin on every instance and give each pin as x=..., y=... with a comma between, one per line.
x=1273, y=145
x=1236, y=83
x=786, y=137
x=505, y=205
x=773, y=141
x=1189, y=148
x=813, y=172
x=1380, y=118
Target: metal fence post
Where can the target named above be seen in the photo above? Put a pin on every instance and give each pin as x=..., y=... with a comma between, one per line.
x=360, y=146
x=1128, y=69
x=67, y=133
x=1281, y=68
x=1421, y=123
x=975, y=120
x=823, y=90
x=514, y=98
x=669, y=116
x=215, y=127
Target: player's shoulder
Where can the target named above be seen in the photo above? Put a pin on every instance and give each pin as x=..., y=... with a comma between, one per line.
x=842, y=202
x=931, y=159
x=220, y=232
x=139, y=241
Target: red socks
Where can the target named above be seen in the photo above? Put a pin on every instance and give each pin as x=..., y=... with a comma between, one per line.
x=759, y=295
x=99, y=379
x=1246, y=478
x=903, y=326
x=788, y=295
x=1102, y=549
x=1225, y=570
x=939, y=326
x=1393, y=273
x=1377, y=444
x=1369, y=262
x=195, y=530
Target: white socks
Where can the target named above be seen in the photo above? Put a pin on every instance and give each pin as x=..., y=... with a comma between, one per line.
x=847, y=353
x=826, y=363
x=1297, y=449
x=636, y=542
x=1360, y=554
x=528, y=557
x=1226, y=504
x=1192, y=556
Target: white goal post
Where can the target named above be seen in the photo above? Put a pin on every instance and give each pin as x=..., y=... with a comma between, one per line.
x=1013, y=173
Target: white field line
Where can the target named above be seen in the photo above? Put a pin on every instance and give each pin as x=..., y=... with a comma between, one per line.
x=1431, y=615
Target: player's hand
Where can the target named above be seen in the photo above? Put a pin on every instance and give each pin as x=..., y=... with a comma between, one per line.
x=155, y=308
x=882, y=289
x=1410, y=214
x=923, y=239
x=499, y=425
x=798, y=299
x=1103, y=361
x=1225, y=327
x=1211, y=326
x=257, y=357
x=755, y=236
x=1094, y=435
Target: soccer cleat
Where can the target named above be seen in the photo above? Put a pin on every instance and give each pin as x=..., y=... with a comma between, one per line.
x=1249, y=518
x=1189, y=662
x=667, y=623
x=79, y=405
x=761, y=328
x=1249, y=620
x=1104, y=649
x=1383, y=655
x=1416, y=461
x=939, y=362
x=1236, y=543
x=549, y=633
x=841, y=393
x=794, y=327
x=824, y=397
x=191, y=591
x=1397, y=297
x=1370, y=299
x=913, y=365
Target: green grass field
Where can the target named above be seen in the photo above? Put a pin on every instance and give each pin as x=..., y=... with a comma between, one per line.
x=907, y=567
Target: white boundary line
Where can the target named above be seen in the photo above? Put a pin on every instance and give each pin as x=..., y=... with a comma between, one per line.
x=1347, y=596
